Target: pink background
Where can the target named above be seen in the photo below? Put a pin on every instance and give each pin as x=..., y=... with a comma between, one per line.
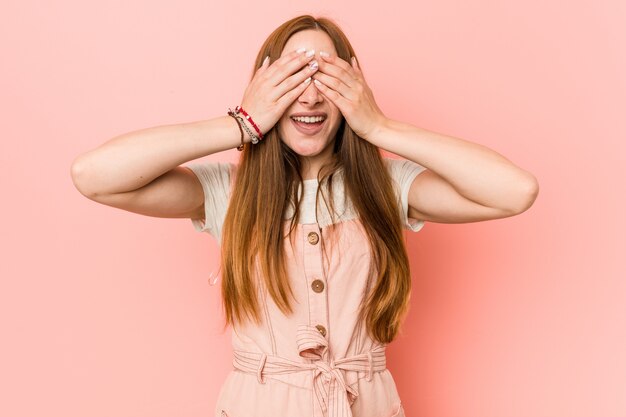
x=107, y=313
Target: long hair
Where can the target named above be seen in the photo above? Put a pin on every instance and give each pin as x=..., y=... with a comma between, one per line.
x=266, y=183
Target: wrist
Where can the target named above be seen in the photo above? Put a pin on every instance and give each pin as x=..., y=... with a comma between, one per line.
x=257, y=130
x=378, y=129
x=247, y=134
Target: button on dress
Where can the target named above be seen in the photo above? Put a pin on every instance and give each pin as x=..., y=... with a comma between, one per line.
x=318, y=361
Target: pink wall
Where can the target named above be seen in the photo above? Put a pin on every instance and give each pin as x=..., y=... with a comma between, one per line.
x=108, y=313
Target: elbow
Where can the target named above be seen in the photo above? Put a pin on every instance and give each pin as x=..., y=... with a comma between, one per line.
x=78, y=175
x=527, y=195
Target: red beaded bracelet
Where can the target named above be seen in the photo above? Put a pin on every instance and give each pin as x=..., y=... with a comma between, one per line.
x=240, y=109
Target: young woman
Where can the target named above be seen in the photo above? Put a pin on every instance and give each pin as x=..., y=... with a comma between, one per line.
x=315, y=275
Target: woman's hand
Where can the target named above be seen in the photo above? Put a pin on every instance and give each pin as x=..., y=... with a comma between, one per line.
x=344, y=85
x=274, y=87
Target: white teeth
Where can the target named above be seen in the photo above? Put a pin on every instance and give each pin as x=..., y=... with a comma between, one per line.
x=307, y=119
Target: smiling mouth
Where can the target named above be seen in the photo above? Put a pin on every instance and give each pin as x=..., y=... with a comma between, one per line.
x=308, y=125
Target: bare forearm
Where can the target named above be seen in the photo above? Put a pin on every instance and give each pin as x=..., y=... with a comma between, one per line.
x=475, y=171
x=132, y=160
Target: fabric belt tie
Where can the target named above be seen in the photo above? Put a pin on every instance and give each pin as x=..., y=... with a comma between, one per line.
x=333, y=394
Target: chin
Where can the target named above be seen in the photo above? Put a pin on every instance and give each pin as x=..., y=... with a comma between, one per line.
x=307, y=150
x=309, y=147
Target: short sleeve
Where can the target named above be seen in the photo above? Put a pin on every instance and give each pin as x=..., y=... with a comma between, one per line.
x=215, y=180
x=403, y=172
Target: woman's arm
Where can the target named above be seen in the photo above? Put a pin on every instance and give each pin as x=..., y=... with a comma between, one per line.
x=139, y=171
x=465, y=182
x=132, y=160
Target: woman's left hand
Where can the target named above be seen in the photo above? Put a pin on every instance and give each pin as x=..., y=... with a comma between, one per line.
x=344, y=85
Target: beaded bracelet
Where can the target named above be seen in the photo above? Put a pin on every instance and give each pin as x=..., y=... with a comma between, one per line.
x=240, y=147
x=240, y=109
x=253, y=138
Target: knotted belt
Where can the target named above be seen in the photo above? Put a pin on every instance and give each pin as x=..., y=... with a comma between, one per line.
x=333, y=394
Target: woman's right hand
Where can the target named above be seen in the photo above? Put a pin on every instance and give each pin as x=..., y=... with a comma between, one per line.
x=275, y=86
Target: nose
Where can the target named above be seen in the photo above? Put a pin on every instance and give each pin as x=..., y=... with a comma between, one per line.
x=311, y=95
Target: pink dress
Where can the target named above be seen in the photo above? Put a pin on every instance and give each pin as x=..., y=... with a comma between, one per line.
x=319, y=361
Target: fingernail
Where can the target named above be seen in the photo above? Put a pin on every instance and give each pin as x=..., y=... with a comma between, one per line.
x=317, y=82
x=308, y=80
x=310, y=53
x=314, y=64
x=266, y=59
x=301, y=50
x=324, y=54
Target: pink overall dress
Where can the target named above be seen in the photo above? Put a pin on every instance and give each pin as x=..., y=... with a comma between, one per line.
x=319, y=361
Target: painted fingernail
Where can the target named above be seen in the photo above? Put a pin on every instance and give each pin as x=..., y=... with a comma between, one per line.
x=324, y=54
x=308, y=80
x=310, y=53
x=300, y=50
x=314, y=64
